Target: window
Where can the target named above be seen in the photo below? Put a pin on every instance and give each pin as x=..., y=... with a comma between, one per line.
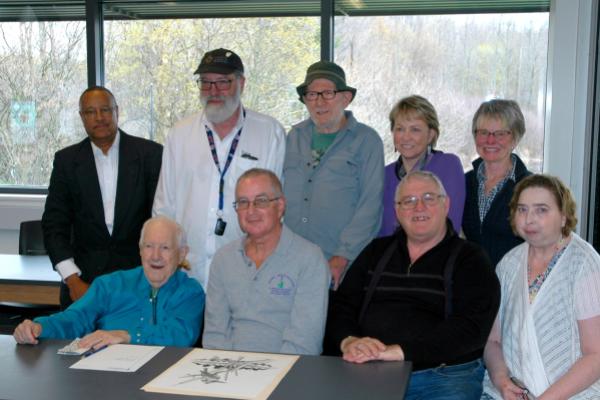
x=150, y=66
x=456, y=62
x=152, y=48
x=41, y=65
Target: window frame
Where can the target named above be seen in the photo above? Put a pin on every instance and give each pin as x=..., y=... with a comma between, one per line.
x=569, y=94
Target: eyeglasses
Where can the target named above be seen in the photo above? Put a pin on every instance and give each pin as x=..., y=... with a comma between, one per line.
x=258, y=202
x=92, y=112
x=325, y=94
x=222, y=84
x=428, y=199
x=499, y=134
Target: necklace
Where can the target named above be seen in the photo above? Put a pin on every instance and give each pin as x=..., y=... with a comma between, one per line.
x=560, y=242
x=536, y=282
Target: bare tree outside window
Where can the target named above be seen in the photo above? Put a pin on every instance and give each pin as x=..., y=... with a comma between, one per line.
x=42, y=64
x=150, y=66
x=457, y=62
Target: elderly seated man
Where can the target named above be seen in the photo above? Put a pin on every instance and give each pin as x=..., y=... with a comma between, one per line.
x=267, y=291
x=153, y=304
x=423, y=295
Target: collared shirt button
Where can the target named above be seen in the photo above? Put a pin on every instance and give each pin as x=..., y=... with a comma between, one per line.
x=304, y=219
x=138, y=334
x=142, y=318
x=306, y=199
x=310, y=181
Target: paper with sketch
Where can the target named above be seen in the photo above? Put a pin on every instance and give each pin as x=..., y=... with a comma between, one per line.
x=119, y=357
x=229, y=374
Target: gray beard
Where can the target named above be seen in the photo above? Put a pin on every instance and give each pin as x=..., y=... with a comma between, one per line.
x=217, y=114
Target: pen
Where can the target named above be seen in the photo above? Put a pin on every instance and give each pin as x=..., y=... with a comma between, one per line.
x=93, y=351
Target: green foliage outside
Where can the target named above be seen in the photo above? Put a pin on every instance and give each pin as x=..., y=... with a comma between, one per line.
x=150, y=66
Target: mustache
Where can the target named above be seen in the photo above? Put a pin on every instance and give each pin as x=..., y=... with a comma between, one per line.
x=214, y=97
x=205, y=99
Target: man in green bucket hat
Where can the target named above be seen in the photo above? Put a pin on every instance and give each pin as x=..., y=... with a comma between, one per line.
x=333, y=171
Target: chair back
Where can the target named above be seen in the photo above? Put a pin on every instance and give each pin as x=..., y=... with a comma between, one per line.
x=31, y=239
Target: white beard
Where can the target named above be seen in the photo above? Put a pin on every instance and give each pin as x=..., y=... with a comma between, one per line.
x=219, y=113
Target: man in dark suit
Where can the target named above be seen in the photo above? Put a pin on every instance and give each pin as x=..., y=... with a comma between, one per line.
x=100, y=193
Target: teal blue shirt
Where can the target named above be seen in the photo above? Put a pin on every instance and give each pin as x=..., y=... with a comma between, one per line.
x=122, y=301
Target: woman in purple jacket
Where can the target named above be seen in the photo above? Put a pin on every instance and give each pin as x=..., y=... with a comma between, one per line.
x=415, y=128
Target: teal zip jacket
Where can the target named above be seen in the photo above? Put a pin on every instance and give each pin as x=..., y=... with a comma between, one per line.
x=122, y=300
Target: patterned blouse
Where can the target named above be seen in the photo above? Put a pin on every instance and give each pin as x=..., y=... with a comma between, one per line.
x=485, y=202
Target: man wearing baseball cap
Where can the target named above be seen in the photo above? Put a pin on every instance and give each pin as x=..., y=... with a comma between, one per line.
x=333, y=171
x=206, y=153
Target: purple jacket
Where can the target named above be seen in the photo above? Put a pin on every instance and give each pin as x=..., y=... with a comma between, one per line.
x=448, y=168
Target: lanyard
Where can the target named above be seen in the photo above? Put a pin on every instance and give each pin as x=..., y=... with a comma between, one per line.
x=213, y=150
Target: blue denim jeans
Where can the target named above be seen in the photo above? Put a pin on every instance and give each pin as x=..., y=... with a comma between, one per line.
x=456, y=382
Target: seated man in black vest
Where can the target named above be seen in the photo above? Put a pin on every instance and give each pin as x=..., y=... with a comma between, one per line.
x=423, y=295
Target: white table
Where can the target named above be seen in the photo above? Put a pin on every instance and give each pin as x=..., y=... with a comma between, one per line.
x=28, y=279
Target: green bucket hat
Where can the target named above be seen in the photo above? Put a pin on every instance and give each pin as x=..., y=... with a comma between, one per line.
x=326, y=70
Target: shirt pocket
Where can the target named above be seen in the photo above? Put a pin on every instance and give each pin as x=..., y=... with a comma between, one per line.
x=244, y=164
x=294, y=176
x=294, y=162
x=342, y=174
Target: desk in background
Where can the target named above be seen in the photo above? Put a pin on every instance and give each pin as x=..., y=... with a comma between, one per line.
x=28, y=279
x=37, y=372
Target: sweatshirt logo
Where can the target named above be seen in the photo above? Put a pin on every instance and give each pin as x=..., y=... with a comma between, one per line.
x=281, y=285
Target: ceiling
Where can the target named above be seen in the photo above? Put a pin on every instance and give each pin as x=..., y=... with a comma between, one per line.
x=45, y=10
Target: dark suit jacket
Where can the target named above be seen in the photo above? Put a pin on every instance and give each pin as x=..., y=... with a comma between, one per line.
x=73, y=220
x=495, y=234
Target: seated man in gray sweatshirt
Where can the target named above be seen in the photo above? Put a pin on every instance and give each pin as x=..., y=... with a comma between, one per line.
x=267, y=291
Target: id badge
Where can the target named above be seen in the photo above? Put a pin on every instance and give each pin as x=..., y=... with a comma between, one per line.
x=220, y=227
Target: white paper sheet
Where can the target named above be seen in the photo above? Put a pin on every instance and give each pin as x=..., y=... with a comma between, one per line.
x=229, y=374
x=119, y=357
x=73, y=349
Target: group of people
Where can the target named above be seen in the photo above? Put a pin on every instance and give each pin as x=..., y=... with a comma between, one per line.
x=307, y=240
